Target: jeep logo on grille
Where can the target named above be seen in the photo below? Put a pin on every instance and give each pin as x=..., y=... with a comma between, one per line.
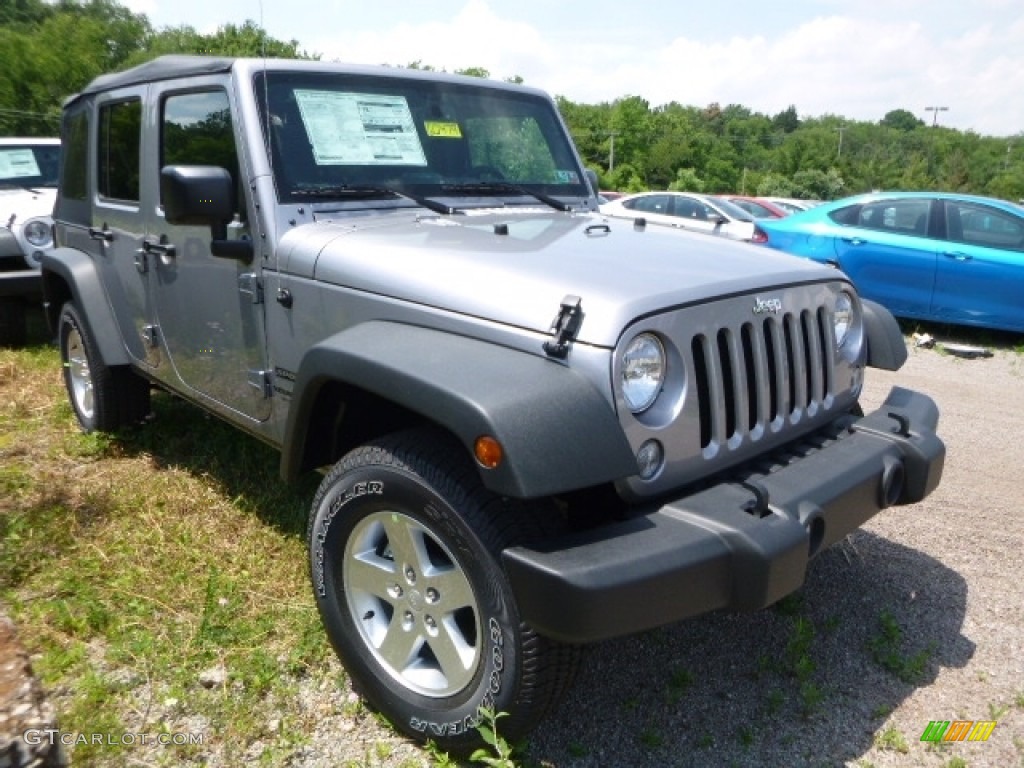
x=761, y=306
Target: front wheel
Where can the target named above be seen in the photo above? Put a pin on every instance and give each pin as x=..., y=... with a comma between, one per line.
x=404, y=548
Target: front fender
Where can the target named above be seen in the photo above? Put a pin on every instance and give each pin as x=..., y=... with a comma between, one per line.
x=558, y=432
x=886, y=347
x=70, y=274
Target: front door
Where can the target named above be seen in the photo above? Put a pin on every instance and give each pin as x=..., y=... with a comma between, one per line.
x=208, y=309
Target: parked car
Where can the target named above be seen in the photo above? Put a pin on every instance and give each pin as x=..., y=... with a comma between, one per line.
x=685, y=210
x=791, y=204
x=28, y=187
x=758, y=207
x=540, y=427
x=926, y=255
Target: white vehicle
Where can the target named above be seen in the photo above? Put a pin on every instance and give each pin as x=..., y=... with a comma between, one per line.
x=685, y=210
x=28, y=188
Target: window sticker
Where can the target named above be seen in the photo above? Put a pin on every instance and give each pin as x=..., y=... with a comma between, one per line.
x=359, y=128
x=18, y=164
x=439, y=130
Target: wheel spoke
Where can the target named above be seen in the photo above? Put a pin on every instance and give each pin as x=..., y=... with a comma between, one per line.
x=400, y=645
x=372, y=574
x=452, y=588
x=407, y=545
x=454, y=655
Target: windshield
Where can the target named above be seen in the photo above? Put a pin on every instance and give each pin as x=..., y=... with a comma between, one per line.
x=29, y=165
x=345, y=136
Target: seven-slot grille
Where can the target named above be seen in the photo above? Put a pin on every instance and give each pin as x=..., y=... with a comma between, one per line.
x=775, y=367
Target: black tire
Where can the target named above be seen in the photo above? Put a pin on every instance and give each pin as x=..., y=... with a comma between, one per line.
x=13, y=326
x=404, y=546
x=104, y=398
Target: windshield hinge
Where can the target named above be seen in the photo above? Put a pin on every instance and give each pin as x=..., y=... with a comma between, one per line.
x=250, y=283
x=564, y=327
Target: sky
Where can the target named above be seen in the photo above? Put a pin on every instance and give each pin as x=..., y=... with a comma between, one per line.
x=857, y=60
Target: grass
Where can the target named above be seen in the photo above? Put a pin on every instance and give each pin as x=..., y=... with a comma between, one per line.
x=887, y=649
x=135, y=565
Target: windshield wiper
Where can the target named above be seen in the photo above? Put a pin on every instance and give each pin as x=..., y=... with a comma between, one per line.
x=497, y=187
x=369, y=193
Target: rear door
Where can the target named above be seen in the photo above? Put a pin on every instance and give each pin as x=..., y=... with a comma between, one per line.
x=115, y=224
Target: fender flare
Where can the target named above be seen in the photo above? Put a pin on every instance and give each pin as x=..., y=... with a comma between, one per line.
x=76, y=270
x=558, y=432
x=887, y=348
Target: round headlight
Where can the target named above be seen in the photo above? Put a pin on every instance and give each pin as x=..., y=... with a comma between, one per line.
x=842, y=318
x=37, y=232
x=643, y=372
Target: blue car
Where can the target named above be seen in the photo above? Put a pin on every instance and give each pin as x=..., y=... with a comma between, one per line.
x=926, y=255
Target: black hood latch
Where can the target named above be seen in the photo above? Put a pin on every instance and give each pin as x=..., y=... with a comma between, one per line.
x=565, y=327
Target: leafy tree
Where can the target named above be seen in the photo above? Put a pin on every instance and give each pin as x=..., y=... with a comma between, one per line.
x=901, y=120
x=687, y=180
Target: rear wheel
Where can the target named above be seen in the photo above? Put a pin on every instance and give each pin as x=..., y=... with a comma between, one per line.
x=404, y=549
x=103, y=397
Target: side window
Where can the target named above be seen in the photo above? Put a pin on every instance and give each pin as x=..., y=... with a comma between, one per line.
x=196, y=130
x=75, y=142
x=649, y=204
x=980, y=225
x=118, y=156
x=903, y=217
x=689, y=209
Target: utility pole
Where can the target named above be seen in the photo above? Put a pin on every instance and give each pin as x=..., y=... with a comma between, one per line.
x=935, y=113
x=839, y=153
x=611, y=151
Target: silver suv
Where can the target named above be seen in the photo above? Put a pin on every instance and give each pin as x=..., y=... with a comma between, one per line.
x=28, y=187
x=538, y=428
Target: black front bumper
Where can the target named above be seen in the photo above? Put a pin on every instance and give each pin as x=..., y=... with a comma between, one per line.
x=736, y=545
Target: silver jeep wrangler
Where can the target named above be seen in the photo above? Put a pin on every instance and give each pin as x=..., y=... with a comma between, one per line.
x=539, y=428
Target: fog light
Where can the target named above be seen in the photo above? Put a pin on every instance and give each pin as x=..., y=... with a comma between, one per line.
x=488, y=451
x=649, y=459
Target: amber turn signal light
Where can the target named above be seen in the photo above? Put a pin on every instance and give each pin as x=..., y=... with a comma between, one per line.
x=488, y=451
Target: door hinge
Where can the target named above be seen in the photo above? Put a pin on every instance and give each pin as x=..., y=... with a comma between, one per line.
x=263, y=381
x=151, y=335
x=251, y=284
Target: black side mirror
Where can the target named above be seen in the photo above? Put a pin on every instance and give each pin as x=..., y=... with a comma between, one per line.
x=203, y=195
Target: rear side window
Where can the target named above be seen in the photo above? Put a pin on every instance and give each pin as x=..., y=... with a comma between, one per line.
x=118, y=157
x=75, y=141
x=907, y=216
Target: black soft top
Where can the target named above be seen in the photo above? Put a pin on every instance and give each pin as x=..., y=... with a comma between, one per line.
x=160, y=68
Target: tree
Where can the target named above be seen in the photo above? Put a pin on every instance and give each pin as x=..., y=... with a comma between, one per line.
x=901, y=120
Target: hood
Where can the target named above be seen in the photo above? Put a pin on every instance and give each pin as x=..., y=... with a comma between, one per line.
x=515, y=266
x=25, y=203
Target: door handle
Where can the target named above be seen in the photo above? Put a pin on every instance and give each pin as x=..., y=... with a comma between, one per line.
x=163, y=248
x=104, y=235
x=854, y=240
x=957, y=256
